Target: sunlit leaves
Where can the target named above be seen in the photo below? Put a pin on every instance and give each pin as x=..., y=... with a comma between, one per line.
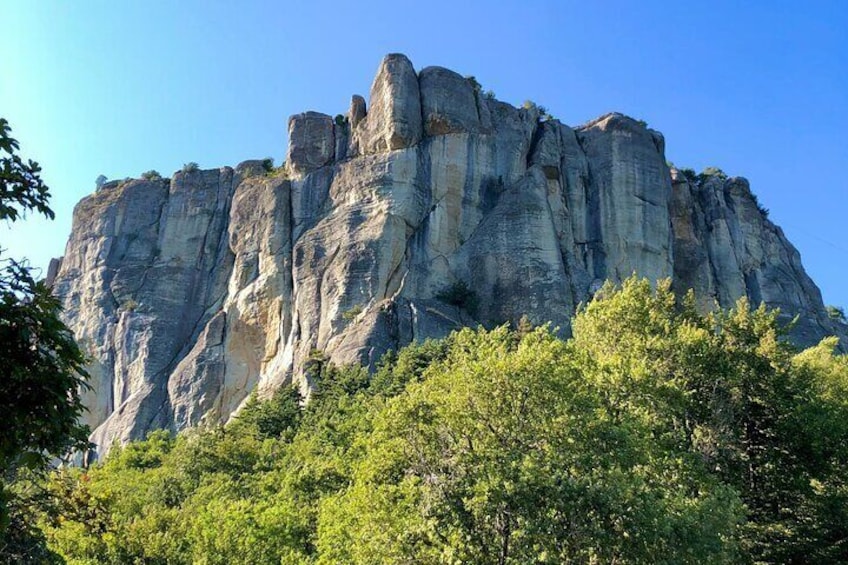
x=655, y=435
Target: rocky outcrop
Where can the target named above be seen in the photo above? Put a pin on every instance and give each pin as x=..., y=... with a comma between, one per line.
x=430, y=208
x=726, y=247
x=312, y=142
x=394, y=119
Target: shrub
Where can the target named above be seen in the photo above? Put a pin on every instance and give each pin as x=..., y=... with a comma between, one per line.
x=763, y=210
x=151, y=175
x=341, y=120
x=459, y=294
x=690, y=175
x=837, y=314
x=489, y=95
x=542, y=112
x=276, y=417
x=351, y=314
x=474, y=83
x=268, y=164
x=642, y=123
x=191, y=167
x=100, y=181
x=711, y=172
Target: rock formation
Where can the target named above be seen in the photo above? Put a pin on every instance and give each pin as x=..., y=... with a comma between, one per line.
x=432, y=208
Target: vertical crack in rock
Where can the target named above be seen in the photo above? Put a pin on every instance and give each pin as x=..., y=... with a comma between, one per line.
x=190, y=295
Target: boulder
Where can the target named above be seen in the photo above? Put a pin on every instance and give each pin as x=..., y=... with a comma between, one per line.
x=394, y=116
x=448, y=102
x=311, y=142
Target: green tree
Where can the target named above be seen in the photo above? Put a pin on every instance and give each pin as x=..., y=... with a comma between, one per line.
x=657, y=434
x=41, y=365
x=503, y=454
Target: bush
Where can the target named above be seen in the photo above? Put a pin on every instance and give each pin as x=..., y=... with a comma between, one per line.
x=836, y=313
x=351, y=314
x=474, y=83
x=277, y=417
x=542, y=113
x=268, y=164
x=151, y=175
x=100, y=181
x=191, y=167
x=690, y=175
x=763, y=210
x=459, y=294
x=711, y=172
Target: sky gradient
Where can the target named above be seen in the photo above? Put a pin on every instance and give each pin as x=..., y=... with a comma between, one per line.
x=118, y=88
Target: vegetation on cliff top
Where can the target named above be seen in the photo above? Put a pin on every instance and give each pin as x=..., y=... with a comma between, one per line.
x=654, y=435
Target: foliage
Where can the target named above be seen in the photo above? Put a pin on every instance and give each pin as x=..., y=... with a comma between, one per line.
x=352, y=313
x=459, y=294
x=642, y=123
x=100, y=181
x=268, y=165
x=690, y=175
x=762, y=209
x=475, y=84
x=655, y=435
x=836, y=313
x=42, y=368
x=43, y=371
x=21, y=540
x=21, y=186
x=191, y=167
x=711, y=172
x=151, y=175
x=278, y=417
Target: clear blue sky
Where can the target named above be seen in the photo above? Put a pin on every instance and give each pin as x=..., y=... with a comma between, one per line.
x=759, y=89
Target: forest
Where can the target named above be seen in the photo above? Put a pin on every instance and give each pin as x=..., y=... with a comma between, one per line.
x=655, y=434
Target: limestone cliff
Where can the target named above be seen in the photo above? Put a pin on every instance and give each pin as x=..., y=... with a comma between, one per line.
x=431, y=208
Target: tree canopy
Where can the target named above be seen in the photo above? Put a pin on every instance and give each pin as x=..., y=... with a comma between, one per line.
x=41, y=366
x=655, y=435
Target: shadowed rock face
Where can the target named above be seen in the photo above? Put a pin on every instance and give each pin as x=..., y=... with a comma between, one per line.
x=190, y=293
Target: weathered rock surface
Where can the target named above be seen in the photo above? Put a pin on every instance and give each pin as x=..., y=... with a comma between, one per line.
x=394, y=118
x=429, y=209
x=448, y=102
x=312, y=142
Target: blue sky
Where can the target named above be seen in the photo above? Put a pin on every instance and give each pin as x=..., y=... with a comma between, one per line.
x=759, y=89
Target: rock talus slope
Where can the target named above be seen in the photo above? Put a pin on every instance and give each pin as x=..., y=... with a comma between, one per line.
x=429, y=208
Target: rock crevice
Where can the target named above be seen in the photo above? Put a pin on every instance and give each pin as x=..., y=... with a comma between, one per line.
x=191, y=294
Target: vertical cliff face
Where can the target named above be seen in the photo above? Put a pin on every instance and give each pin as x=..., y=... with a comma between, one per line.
x=726, y=247
x=432, y=208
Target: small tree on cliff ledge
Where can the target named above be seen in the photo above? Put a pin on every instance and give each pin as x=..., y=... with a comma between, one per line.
x=41, y=367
